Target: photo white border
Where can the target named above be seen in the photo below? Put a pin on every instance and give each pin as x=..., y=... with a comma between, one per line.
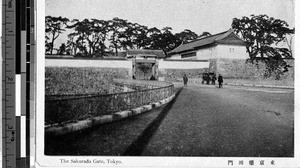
x=41, y=160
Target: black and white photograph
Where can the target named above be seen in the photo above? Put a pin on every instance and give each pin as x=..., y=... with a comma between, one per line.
x=167, y=79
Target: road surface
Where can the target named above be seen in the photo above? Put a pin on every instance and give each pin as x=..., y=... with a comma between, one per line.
x=200, y=121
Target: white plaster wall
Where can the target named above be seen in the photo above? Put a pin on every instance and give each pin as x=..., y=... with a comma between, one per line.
x=223, y=51
x=207, y=53
x=88, y=63
x=182, y=64
x=176, y=56
x=162, y=64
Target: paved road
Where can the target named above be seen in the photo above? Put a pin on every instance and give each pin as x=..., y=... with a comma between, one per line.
x=200, y=121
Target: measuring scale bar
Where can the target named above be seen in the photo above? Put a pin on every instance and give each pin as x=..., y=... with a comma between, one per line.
x=15, y=82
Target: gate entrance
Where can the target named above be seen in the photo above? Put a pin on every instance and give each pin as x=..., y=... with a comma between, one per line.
x=145, y=68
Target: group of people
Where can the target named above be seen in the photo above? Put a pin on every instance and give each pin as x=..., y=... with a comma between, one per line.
x=211, y=79
x=206, y=78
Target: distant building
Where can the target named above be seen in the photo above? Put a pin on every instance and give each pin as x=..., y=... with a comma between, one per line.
x=221, y=45
x=142, y=58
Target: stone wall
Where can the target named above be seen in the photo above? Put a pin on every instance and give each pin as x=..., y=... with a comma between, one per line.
x=173, y=70
x=177, y=74
x=240, y=69
x=63, y=109
x=291, y=70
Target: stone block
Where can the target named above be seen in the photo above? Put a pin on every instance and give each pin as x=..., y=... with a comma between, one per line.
x=148, y=107
x=137, y=110
x=119, y=115
x=80, y=125
x=106, y=119
x=157, y=104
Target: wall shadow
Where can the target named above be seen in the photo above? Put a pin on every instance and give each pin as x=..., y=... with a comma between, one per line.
x=138, y=146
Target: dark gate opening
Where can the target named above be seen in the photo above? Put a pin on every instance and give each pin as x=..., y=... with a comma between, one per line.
x=145, y=69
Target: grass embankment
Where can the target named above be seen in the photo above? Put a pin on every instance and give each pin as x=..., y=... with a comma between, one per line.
x=63, y=80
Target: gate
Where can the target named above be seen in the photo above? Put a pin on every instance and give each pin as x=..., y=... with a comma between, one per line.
x=143, y=69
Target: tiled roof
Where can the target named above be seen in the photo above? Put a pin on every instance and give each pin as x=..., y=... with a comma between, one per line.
x=135, y=52
x=227, y=37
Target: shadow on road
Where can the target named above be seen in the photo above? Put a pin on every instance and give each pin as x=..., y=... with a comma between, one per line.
x=137, y=147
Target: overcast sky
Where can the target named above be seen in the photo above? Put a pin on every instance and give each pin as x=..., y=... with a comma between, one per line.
x=213, y=16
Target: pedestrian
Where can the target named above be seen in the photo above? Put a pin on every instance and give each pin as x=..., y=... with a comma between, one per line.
x=203, y=78
x=220, y=80
x=213, y=79
x=208, y=79
x=185, y=79
x=152, y=78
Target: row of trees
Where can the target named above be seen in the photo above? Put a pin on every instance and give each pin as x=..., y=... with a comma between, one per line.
x=262, y=34
x=93, y=37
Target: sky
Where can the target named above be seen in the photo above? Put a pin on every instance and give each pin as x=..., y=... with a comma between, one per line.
x=213, y=16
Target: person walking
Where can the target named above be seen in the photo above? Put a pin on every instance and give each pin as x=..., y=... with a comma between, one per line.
x=203, y=78
x=185, y=79
x=220, y=80
x=152, y=78
x=208, y=79
x=213, y=79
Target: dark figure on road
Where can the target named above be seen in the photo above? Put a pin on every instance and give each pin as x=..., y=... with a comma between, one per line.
x=220, y=80
x=203, y=78
x=213, y=79
x=133, y=77
x=152, y=78
x=207, y=79
x=185, y=79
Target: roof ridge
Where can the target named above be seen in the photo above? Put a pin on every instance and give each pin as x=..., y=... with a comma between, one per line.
x=206, y=37
x=224, y=35
x=212, y=39
x=229, y=33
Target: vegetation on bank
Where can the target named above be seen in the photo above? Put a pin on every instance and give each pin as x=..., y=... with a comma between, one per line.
x=64, y=80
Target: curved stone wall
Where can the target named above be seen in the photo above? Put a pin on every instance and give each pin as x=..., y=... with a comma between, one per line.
x=61, y=109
